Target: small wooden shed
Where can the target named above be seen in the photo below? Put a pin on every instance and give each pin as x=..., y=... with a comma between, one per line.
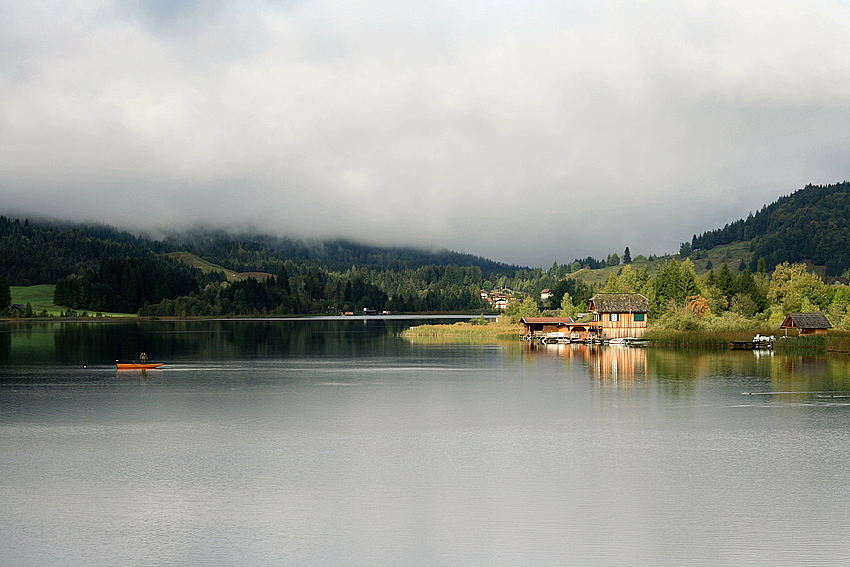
x=535, y=326
x=806, y=323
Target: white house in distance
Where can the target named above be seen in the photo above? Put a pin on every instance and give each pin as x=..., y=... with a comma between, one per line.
x=496, y=299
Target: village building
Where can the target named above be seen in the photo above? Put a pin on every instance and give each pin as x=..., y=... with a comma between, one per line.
x=806, y=323
x=497, y=299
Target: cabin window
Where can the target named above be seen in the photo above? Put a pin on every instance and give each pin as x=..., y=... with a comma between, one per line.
x=615, y=317
x=639, y=316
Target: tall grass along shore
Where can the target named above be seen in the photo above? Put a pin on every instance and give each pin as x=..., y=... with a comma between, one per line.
x=836, y=341
x=492, y=331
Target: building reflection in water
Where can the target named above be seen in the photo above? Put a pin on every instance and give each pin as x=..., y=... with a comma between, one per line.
x=679, y=372
x=610, y=365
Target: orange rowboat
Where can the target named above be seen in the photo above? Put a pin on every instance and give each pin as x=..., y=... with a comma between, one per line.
x=138, y=365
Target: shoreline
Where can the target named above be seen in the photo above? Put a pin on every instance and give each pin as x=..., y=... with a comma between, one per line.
x=292, y=317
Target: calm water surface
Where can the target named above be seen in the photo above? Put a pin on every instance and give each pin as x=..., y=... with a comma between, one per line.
x=336, y=443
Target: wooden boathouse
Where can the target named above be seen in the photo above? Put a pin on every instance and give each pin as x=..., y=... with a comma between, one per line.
x=536, y=326
x=619, y=315
x=612, y=316
x=806, y=323
x=558, y=329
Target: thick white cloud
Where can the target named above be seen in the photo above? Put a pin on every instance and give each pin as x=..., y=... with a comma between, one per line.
x=528, y=132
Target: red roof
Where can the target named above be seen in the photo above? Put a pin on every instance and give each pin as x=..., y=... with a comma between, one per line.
x=545, y=320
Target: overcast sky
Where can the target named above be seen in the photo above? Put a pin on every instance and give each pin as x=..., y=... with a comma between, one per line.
x=526, y=131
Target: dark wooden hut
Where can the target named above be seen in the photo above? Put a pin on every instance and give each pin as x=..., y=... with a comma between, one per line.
x=806, y=323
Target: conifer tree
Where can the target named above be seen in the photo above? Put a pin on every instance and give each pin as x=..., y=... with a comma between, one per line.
x=568, y=309
x=283, y=280
x=5, y=294
x=674, y=282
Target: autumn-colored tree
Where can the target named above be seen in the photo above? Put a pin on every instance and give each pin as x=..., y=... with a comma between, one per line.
x=698, y=305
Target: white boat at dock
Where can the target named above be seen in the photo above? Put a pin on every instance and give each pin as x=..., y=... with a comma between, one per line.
x=628, y=341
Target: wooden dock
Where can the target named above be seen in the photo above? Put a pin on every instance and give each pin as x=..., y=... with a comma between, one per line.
x=759, y=342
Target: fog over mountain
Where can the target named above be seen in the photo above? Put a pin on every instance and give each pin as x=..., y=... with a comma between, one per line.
x=525, y=132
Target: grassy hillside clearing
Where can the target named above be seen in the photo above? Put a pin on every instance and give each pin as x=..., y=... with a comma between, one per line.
x=40, y=297
x=206, y=267
x=731, y=254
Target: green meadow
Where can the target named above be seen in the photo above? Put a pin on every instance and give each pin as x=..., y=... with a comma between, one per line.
x=40, y=297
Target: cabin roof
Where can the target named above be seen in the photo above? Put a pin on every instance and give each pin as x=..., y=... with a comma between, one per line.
x=544, y=320
x=619, y=303
x=806, y=321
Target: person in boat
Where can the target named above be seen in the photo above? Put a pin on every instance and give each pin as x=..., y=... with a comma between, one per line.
x=143, y=357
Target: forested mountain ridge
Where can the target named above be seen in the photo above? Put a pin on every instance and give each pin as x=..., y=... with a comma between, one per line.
x=811, y=224
x=252, y=252
x=98, y=268
x=31, y=254
x=41, y=252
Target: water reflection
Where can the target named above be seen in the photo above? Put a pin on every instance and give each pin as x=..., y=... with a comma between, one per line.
x=675, y=372
x=608, y=365
x=88, y=343
x=339, y=443
x=678, y=372
x=817, y=374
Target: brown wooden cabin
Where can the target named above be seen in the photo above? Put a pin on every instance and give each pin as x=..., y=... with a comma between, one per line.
x=536, y=326
x=619, y=315
x=806, y=323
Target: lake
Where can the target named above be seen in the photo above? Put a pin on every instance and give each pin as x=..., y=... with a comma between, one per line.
x=333, y=442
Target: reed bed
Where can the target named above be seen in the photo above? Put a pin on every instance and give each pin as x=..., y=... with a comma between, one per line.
x=836, y=341
x=498, y=331
x=697, y=339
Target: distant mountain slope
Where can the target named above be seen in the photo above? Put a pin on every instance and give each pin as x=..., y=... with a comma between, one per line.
x=205, y=266
x=42, y=252
x=31, y=254
x=261, y=252
x=810, y=224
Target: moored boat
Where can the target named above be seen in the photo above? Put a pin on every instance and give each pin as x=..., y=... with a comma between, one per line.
x=628, y=341
x=138, y=365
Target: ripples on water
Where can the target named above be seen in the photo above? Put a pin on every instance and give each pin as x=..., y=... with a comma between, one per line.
x=374, y=451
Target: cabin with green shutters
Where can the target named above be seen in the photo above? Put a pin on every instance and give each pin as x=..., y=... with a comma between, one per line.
x=619, y=315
